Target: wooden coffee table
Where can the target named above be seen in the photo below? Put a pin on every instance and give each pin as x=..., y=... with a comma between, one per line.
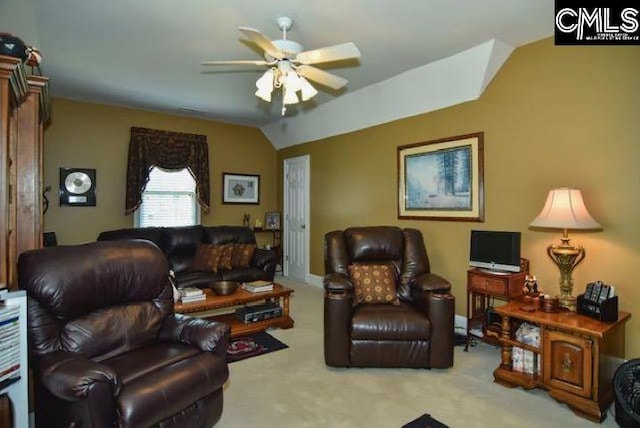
x=280, y=295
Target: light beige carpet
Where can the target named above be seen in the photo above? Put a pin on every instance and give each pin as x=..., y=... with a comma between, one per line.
x=294, y=388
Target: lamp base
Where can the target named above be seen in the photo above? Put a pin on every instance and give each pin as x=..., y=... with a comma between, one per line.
x=568, y=302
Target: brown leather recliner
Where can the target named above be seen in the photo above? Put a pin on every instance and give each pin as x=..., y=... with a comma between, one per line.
x=106, y=347
x=417, y=332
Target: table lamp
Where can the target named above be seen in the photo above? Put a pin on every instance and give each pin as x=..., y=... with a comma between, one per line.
x=565, y=209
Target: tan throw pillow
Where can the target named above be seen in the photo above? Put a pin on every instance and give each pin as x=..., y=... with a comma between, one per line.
x=375, y=284
x=225, y=256
x=242, y=255
x=207, y=257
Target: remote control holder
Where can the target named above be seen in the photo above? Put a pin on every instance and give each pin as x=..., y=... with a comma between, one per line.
x=606, y=310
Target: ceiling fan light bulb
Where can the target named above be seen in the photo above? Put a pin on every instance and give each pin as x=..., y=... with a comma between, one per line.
x=307, y=91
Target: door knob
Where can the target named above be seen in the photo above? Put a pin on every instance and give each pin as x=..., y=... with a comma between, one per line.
x=303, y=226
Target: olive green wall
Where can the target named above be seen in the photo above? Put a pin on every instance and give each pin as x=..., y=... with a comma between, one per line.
x=552, y=117
x=84, y=135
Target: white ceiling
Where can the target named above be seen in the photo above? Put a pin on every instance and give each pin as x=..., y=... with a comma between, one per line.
x=146, y=53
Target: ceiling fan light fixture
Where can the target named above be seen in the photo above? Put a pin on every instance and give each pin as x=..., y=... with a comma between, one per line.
x=265, y=85
x=307, y=91
x=290, y=96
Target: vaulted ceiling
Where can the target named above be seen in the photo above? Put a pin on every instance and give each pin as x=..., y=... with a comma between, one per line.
x=417, y=55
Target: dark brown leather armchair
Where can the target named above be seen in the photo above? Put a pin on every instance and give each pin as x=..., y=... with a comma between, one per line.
x=106, y=347
x=417, y=332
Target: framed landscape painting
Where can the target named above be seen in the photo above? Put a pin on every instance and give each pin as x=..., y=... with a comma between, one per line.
x=442, y=179
x=240, y=188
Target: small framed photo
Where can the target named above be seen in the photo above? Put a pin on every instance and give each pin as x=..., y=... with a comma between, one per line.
x=240, y=188
x=272, y=221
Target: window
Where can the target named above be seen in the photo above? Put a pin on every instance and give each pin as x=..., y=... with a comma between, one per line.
x=168, y=200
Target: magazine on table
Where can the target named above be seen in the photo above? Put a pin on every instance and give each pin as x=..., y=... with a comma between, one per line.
x=258, y=286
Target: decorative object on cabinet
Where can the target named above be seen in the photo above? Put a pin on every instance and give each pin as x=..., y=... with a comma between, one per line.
x=576, y=353
x=240, y=188
x=77, y=187
x=442, y=179
x=11, y=45
x=565, y=209
x=272, y=220
x=246, y=220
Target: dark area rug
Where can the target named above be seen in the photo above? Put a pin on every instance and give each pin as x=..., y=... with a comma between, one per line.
x=425, y=421
x=252, y=345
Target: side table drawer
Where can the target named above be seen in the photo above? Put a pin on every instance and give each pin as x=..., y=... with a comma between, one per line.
x=488, y=285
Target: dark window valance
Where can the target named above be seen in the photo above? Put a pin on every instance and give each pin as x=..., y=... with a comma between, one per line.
x=167, y=150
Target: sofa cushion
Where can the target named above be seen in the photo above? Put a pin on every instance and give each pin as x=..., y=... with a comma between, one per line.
x=386, y=322
x=207, y=258
x=180, y=245
x=201, y=279
x=373, y=284
x=153, y=234
x=229, y=235
x=174, y=383
x=242, y=255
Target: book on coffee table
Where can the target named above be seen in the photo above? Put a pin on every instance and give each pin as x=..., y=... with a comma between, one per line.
x=257, y=286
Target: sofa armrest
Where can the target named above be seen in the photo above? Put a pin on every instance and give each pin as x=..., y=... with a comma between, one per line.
x=72, y=377
x=337, y=283
x=263, y=258
x=208, y=336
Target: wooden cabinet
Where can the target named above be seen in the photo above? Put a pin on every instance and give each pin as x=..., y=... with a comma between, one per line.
x=579, y=355
x=482, y=288
x=24, y=111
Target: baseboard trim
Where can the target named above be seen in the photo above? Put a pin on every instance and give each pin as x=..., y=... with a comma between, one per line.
x=314, y=280
x=460, y=322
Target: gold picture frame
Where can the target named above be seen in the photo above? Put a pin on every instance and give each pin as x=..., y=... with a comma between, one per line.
x=442, y=179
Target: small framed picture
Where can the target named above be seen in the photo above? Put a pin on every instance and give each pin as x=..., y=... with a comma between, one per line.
x=272, y=221
x=240, y=188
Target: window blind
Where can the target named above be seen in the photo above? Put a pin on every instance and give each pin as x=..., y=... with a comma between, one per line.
x=168, y=200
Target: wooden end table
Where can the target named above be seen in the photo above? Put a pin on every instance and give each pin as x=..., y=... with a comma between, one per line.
x=576, y=353
x=280, y=295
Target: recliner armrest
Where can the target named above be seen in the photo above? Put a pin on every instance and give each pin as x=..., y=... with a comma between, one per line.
x=71, y=376
x=337, y=283
x=208, y=336
x=432, y=282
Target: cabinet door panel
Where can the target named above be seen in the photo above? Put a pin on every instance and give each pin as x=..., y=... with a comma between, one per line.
x=568, y=363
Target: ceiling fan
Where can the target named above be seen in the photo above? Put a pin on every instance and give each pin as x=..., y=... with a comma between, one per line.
x=290, y=66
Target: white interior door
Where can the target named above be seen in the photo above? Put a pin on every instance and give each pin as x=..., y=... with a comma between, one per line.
x=296, y=217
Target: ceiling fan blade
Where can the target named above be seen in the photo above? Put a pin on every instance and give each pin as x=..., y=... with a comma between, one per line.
x=328, y=54
x=264, y=43
x=322, y=77
x=239, y=62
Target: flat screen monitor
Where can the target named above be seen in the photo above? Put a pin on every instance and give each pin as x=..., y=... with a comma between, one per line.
x=495, y=251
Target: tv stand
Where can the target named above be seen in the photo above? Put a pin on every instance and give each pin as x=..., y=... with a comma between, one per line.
x=495, y=271
x=482, y=288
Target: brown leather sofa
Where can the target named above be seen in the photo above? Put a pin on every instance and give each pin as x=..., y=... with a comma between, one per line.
x=106, y=347
x=417, y=331
x=179, y=245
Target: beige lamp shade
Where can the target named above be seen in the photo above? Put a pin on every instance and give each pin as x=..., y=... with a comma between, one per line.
x=565, y=209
